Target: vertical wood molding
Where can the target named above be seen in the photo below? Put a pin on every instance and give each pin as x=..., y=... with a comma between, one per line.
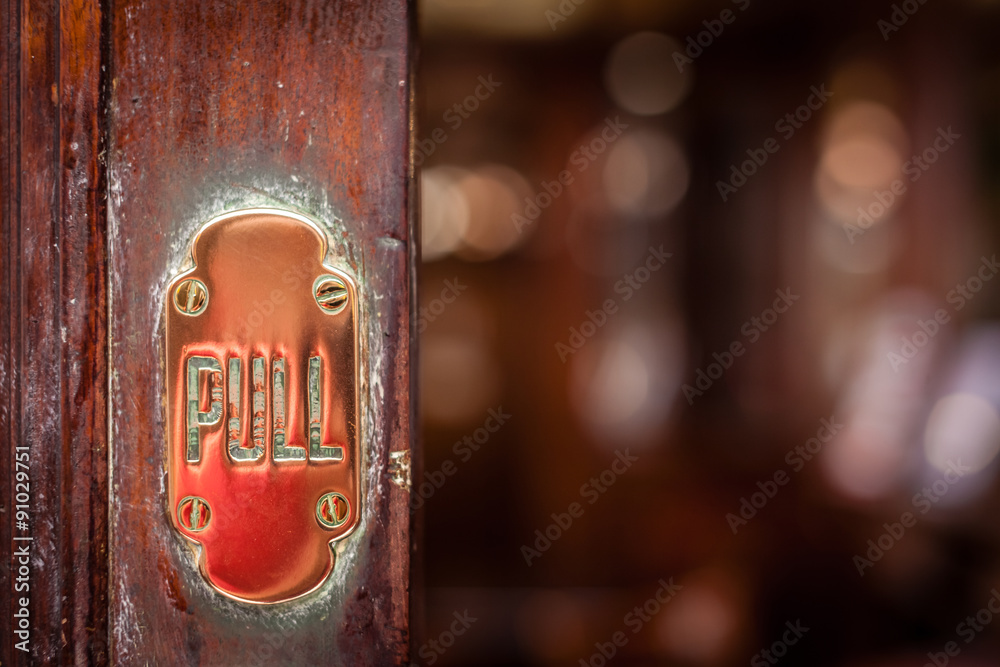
x=54, y=356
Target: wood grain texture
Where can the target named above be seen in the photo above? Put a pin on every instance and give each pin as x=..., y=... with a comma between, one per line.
x=52, y=314
x=123, y=127
x=216, y=106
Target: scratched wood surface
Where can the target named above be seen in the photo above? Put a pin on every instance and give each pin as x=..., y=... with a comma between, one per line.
x=125, y=126
x=221, y=105
x=53, y=342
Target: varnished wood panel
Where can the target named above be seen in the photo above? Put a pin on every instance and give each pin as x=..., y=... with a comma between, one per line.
x=53, y=322
x=221, y=105
x=123, y=127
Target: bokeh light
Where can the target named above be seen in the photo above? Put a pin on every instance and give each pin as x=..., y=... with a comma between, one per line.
x=962, y=429
x=641, y=76
x=645, y=174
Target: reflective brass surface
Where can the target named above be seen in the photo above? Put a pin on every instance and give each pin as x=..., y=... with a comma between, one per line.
x=262, y=381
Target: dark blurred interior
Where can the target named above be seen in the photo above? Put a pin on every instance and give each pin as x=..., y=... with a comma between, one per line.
x=710, y=368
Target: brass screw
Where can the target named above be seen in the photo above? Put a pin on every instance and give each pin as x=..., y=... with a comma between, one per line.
x=191, y=297
x=194, y=513
x=331, y=293
x=333, y=510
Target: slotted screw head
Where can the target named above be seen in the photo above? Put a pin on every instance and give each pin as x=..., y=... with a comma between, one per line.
x=331, y=294
x=333, y=510
x=194, y=513
x=191, y=297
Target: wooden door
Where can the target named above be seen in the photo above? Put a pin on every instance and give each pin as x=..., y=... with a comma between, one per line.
x=126, y=126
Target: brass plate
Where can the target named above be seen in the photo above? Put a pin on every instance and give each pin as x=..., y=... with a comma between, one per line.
x=262, y=405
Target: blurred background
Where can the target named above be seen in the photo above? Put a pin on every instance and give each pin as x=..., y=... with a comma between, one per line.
x=710, y=363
